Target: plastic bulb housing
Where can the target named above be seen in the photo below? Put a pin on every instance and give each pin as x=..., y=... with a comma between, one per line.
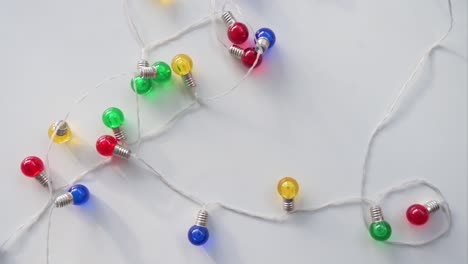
x=238, y=33
x=32, y=166
x=113, y=117
x=80, y=194
x=198, y=234
x=265, y=39
x=380, y=231
x=105, y=145
x=288, y=188
x=418, y=214
x=141, y=86
x=77, y=194
x=182, y=66
x=268, y=34
x=164, y=72
x=108, y=146
x=249, y=57
x=63, y=134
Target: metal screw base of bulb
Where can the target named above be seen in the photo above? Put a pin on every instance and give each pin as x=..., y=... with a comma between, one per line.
x=63, y=200
x=376, y=214
x=188, y=80
x=432, y=206
x=147, y=72
x=119, y=134
x=61, y=127
x=202, y=218
x=288, y=205
x=43, y=179
x=228, y=18
x=262, y=45
x=236, y=51
x=142, y=63
x=121, y=152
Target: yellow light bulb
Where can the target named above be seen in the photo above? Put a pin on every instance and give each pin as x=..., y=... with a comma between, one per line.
x=288, y=188
x=63, y=134
x=182, y=64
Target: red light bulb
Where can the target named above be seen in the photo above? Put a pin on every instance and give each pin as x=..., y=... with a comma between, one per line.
x=107, y=146
x=417, y=214
x=32, y=166
x=249, y=57
x=238, y=33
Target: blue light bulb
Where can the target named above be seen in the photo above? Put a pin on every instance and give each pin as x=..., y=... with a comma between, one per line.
x=265, y=33
x=80, y=194
x=198, y=235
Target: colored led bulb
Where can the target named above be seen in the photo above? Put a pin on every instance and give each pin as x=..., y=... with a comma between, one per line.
x=113, y=118
x=198, y=234
x=248, y=55
x=77, y=194
x=141, y=85
x=63, y=134
x=33, y=167
x=108, y=146
x=182, y=66
x=164, y=72
x=264, y=39
x=237, y=32
x=418, y=214
x=379, y=229
x=288, y=188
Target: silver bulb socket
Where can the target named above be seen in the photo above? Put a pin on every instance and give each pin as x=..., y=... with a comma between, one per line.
x=121, y=152
x=188, y=80
x=202, y=218
x=236, y=51
x=43, y=179
x=119, y=134
x=141, y=64
x=228, y=18
x=262, y=45
x=64, y=200
x=61, y=127
x=376, y=214
x=288, y=205
x=432, y=206
x=147, y=72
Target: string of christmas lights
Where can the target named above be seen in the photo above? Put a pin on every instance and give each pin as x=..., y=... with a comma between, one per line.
x=143, y=82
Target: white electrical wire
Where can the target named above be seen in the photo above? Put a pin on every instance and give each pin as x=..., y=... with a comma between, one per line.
x=346, y=202
x=387, y=117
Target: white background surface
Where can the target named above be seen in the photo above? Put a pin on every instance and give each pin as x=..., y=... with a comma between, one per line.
x=307, y=112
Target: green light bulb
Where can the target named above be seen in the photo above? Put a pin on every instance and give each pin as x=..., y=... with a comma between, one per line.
x=380, y=231
x=143, y=86
x=164, y=72
x=113, y=117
